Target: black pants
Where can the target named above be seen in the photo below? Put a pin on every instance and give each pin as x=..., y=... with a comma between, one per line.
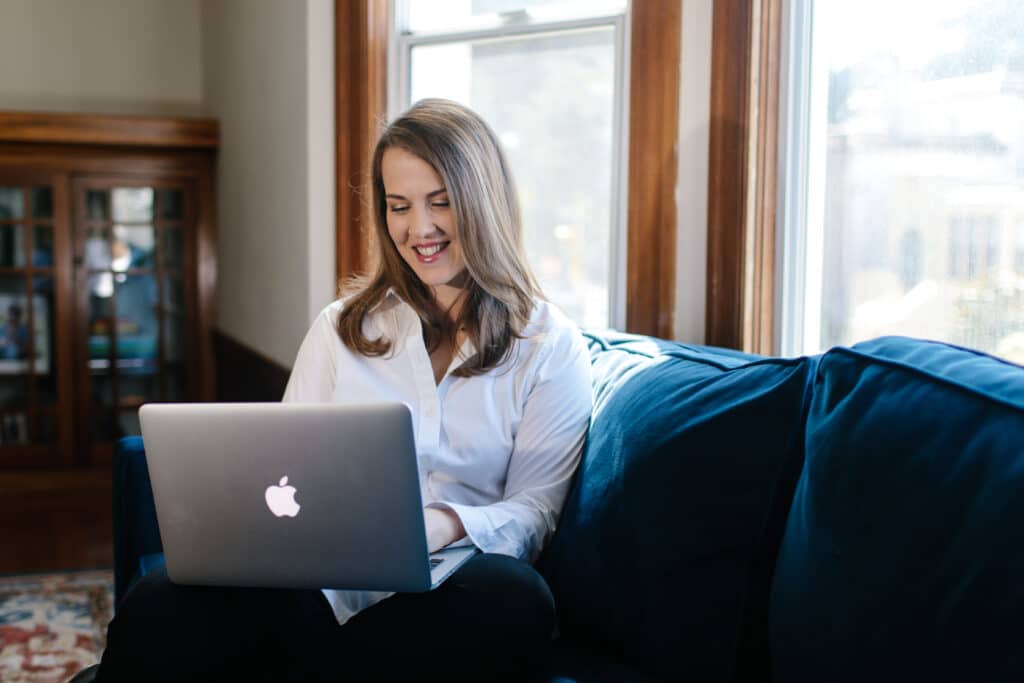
x=491, y=620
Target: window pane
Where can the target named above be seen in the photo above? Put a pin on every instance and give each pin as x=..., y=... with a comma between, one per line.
x=137, y=328
x=42, y=246
x=101, y=319
x=42, y=202
x=558, y=133
x=133, y=204
x=924, y=171
x=133, y=247
x=11, y=203
x=12, y=246
x=15, y=342
x=430, y=15
x=97, y=205
x=44, y=323
x=97, y=248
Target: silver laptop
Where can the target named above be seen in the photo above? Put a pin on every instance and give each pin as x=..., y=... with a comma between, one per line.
x=291, y=495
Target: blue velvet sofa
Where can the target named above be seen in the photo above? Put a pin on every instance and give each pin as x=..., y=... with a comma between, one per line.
x=854, y=516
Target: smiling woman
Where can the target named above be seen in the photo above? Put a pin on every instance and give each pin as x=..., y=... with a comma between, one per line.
x=450, y=322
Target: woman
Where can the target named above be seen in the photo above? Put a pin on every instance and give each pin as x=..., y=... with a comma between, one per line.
x=452, y=323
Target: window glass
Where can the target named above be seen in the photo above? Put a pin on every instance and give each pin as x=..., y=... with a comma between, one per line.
x=550, y=97
x=133, y=204
x=923, y=184
x=11, y=203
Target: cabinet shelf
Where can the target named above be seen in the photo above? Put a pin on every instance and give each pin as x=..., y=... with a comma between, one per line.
x=133, y=366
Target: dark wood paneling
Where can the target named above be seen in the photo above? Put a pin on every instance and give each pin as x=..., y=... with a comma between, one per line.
x=245, y=375
x=135, y=131
x=360, y=104
x=653, y=133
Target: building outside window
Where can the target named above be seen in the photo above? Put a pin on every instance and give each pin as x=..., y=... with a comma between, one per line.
x=903, y=188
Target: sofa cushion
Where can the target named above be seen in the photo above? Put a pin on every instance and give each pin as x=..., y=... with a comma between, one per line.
x=903, y=557
x=665, y=546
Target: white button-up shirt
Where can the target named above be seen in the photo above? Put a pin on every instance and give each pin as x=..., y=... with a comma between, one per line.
x=499, y=449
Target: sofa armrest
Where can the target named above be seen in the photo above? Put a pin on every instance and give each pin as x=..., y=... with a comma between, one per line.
x=136, y=535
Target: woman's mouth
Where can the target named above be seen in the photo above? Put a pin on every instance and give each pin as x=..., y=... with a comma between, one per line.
x=428, y=253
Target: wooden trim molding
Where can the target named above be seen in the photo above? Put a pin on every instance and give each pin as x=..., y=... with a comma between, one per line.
x=727, y=172
x=759, y=311
x=97, y=129
x=742, y=179
x=360, y=104
x=244, y=374
x=653, y=134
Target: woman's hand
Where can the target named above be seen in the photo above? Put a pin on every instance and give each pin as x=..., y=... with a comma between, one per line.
x=443, y=527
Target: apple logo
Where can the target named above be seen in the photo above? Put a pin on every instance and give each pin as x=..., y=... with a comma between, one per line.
x=281, y=499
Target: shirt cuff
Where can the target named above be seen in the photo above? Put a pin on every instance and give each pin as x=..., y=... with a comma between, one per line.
x=480, y=529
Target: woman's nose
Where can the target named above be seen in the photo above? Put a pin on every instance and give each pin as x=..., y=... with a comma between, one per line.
x=421, y=224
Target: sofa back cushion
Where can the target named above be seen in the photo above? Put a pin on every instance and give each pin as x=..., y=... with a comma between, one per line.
x=665, y=548
x=903, y=557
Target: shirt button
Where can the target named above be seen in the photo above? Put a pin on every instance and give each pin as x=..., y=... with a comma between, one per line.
x=429, y=411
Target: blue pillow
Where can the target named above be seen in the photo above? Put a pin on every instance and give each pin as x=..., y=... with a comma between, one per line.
x=664, y=550
x=903, y=557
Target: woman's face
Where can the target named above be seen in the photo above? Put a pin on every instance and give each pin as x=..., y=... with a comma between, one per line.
x=420, y=220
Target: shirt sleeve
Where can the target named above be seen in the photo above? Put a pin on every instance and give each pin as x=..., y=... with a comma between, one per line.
x=544, y=457
x=313, y=375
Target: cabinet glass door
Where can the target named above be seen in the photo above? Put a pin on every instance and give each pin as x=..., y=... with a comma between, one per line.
x=131, y=257
x=30, y=424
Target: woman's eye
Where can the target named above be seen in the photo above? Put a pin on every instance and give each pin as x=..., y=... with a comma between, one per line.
x=442, y=205
x=398, y=209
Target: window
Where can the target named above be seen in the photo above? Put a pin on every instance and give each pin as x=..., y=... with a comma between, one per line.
x=550, y=79
x=903, y=190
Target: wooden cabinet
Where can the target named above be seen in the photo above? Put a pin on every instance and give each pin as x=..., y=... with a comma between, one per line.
x=107, y=277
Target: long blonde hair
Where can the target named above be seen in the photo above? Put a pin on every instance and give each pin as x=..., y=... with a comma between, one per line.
x=465, y=152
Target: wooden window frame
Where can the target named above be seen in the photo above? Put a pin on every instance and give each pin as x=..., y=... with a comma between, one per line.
x=742, y=175
x=361, y=33
x=360, y=58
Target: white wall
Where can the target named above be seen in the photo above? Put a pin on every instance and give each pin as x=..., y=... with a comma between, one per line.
x=268, y=78
x=101, y=56
x=692, y=188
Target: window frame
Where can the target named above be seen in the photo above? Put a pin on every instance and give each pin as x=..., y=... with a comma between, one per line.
x=743, y=250
x=362, y=29
x=764, y=69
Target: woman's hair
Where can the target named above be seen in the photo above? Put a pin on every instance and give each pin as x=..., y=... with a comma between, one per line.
x=500, y=286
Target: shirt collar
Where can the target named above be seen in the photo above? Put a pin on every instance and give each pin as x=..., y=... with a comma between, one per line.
x=391, y=299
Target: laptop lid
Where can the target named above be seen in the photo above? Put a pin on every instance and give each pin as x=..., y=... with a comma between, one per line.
x=288, y=495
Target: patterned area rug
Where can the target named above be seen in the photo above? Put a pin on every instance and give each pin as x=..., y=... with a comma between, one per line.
x=52, y=625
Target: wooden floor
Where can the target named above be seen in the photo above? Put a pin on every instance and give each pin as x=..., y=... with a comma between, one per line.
x=55, y=520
